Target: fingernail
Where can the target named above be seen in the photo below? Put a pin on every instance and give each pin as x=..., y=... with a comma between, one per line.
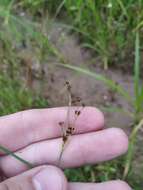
x=47, y=179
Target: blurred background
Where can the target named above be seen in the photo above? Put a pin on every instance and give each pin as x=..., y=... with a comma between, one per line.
x=97, y=47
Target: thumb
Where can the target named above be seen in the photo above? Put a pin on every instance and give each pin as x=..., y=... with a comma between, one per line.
x=40, y=178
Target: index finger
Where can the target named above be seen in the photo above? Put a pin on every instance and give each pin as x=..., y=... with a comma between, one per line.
x=23, y=128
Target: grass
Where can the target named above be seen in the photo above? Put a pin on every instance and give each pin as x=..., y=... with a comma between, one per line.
x=15, y=97
x=106, y=27
x=110, y=29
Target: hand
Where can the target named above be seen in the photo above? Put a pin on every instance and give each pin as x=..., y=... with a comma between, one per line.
x=34, y=135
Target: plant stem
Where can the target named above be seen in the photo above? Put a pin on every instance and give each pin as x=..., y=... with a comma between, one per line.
x=131, y=148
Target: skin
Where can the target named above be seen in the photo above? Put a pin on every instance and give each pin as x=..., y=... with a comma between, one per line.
x=36, y=136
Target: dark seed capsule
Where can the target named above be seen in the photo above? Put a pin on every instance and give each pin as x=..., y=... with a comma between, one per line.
x=78, y=99
x=65, y=138
x=68, y=86
x=67, y=82
x=83, y=105
x=61, y=123
x=79, y=112
x=74, y=102
x=69, y=130
x=68, y=133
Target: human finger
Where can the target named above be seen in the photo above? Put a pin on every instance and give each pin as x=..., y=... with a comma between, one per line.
x=40, y=178
x=81, y=149
x=109, y=185
x=23, y=128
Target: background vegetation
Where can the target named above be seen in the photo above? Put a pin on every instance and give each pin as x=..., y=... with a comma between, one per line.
x=111, y=30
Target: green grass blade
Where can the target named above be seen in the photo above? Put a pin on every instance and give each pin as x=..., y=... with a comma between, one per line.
x=123, y=7
x=140, y=100
x=131, y=148
x=108, y=82
x=137, y=70
x=117, y=110
x=139, y=25
x=59, y=8
x=8, y=152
